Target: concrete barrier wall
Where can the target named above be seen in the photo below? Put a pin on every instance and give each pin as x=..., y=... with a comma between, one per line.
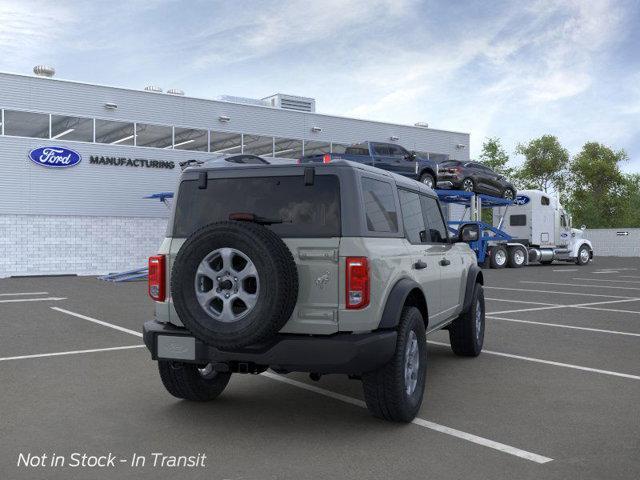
x=618, y=242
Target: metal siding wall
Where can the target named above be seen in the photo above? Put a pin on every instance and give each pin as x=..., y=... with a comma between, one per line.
x=607, y=243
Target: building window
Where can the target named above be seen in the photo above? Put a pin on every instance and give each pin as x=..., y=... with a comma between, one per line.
x=380, y=206
x=190, y=139
x=72, y=128
x=26, y=124
x=312, y=147
x=157, y=136
x=257, y=145
x=224, y=142
x=287, y=148
x=114, y=133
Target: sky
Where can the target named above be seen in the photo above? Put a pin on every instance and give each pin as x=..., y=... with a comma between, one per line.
x=514, y=70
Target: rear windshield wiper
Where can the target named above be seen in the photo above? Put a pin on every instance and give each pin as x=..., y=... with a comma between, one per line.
x=252, y=217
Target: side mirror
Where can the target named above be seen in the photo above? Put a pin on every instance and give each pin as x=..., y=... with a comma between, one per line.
x=469, y=233
x=410, y=156
x=583, y=227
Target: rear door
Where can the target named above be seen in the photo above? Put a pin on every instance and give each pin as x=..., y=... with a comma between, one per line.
x=398, y=161
x=382, y=157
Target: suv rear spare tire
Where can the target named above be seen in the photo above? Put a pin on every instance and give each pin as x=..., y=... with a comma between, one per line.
x=234, y=284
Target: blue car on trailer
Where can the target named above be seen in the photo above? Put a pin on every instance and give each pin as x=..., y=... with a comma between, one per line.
x=493, y=246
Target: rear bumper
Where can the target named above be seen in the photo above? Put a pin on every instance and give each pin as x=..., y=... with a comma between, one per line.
x=339, y=353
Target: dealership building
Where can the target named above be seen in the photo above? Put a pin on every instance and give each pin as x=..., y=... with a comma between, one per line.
x=77, y=160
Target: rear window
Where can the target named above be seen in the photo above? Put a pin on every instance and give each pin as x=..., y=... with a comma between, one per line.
x=306, y=211
x=357, y=150
x=380, y=206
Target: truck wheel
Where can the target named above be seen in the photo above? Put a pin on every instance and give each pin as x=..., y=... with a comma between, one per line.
x=466, y=333
x=191, y=382
x=498, y=258
x=583, y=255
x=468, y=185
x=395, y=391
x=508, y=194
x=517, y=257
x=428, y=180
x=234, y=284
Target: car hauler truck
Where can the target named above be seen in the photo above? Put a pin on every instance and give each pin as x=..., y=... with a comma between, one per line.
x=534, y=228
x=538, y=221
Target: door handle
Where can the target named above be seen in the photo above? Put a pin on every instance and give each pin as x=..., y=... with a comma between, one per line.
x=444, y=262
x=419, y=265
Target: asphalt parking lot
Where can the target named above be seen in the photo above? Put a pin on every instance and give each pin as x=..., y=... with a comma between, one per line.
x=555, y=394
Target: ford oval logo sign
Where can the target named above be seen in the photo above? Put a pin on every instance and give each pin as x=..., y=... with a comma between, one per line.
x=56, y=157
x=521, y=200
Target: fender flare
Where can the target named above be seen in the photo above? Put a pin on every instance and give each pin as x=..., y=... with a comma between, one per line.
x=473, y=276
x=429, y=170
x=579, y=244
x=395, y=302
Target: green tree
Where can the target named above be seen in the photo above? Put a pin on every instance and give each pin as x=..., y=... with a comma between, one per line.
x=631, y=202
x=545, y=165
x=599, y=192
x=495, y=157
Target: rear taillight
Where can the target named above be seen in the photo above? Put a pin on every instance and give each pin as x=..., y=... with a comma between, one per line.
x=357, y=282
x=157, y=278
x=326, y=158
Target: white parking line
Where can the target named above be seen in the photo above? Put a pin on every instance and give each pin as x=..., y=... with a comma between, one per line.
x=528, y=309
x=519, y=301
x=45, y=299
x=23, y=293
x=72, y=352
x=99, y=322
x=628, y=276
x=566, y=270
x=485, y=442
x=609, y=310
x=559, y=325
x=577, y=305
x=578, y=285
x=603, y=280
x=549, y=362
x=557, y=293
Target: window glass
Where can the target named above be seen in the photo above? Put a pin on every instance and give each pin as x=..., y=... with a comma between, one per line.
x=227, y=143
x=517, y=220
x=72, y=128
x=257, y=145
x=360, y=149
x=433, y=220
x=381, y=149
x=340, y=148
x=544, y=200
x=412, y=217
x=563, y=221
x=190, y=139
x=380, y=207
x=157, y=136
x=316, y=148
x=305, y=210
x=397, y=151
x=115, y=133
x=26, y=124
x=287, y=148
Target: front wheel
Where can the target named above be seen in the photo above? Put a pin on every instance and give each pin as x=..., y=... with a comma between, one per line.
x=428, y=180
x=395, y=391
x=468, y=185
x=192, y=382
x=466, y=333
x=583, y=255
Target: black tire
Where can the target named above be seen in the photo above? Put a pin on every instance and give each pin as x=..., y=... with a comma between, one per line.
x=498, y=257
x=466, y=333
x=276, y=290
x=515, y=260
x=385, y=391
x=188, y=381
x=579, y=258
x=468, y=185
x=428, y=179
x=509, y=193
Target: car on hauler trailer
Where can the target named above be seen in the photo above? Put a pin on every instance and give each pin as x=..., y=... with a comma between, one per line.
x=329, y=268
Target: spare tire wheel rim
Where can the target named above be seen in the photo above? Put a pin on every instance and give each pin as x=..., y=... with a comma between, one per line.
x=227, y=285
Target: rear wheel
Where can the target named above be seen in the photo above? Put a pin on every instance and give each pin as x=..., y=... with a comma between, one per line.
x=468, y=185
x=395, y=391
x=498, y=258
x=508, y=194
x=517, y=257
x=192, y=382
x=466, y=333
x=428, y=180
